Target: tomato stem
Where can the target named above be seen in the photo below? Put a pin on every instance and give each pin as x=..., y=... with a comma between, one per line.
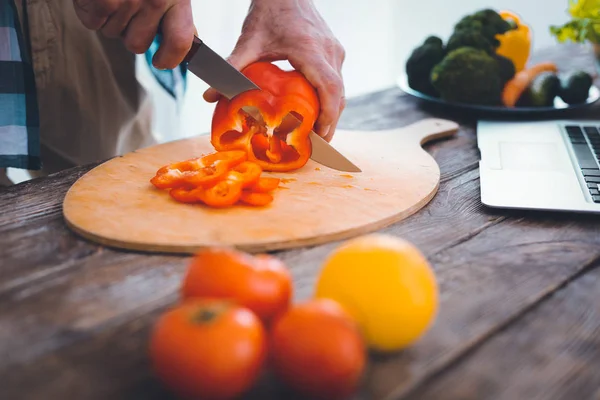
x=204, y=315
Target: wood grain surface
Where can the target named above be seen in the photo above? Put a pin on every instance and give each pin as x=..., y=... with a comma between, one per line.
x=519, y=290
x=115, y=204
x=553, y=352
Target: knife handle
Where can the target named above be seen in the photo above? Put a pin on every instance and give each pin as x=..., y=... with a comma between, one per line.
x=195, y=46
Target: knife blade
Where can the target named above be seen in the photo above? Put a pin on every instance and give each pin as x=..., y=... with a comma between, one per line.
x=219, y=74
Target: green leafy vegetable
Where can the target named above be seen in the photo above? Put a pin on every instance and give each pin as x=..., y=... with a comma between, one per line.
x=584, y=25
x=487, y=22
x=420, y=63
x=506, y=68
x=469, y=37
x=468, y=75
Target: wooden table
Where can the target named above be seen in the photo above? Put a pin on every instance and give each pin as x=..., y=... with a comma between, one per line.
x=520, y=291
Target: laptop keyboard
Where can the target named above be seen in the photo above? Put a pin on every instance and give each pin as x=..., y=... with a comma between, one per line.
x=585, y=140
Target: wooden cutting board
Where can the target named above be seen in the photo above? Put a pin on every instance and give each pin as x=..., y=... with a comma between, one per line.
x=114, y=204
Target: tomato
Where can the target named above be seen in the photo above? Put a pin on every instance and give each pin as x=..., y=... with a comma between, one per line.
x=317, y=350
x=386, y=284
x=208, y=349
x=261, y=283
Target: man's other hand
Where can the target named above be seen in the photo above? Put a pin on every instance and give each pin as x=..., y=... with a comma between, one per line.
x=293, y=30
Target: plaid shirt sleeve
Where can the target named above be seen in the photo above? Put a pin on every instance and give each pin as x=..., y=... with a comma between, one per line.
x=19, y=119
x=19, y=116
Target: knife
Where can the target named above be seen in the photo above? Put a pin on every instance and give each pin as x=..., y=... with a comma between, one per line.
x=207, y=65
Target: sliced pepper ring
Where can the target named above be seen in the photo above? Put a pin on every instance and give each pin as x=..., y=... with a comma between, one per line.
x=198, y=172
x=186, y=195
x=229, y=157
x=250, y=173
x=224, y=193
x=265, y=184
x=255, y=198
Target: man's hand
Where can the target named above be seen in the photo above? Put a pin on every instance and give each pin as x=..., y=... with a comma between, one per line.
x=137, y=22
x=293, y=30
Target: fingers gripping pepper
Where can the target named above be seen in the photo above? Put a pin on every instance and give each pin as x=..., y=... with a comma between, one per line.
x=274, y=142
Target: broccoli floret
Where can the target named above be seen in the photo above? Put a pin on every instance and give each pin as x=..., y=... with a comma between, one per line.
x=490, y=18
x=506, y=68
x=434, y=40
x=468, y=22
x=421, y=62
x=488, y=22
x=469, y=37
x=468, y=75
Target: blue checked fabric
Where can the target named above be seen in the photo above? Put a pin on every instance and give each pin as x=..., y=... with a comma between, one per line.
x=19, y=121
x=19, y=118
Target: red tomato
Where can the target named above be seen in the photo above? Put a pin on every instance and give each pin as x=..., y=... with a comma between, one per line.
x=208, y=349
x=317, y=350
x=261, y=283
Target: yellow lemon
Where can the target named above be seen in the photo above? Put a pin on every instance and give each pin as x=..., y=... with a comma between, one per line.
x=386, y=284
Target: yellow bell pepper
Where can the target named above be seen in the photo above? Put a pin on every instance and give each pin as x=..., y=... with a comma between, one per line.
x=516, y=43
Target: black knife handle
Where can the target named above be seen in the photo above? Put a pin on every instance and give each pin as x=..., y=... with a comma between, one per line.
x=195, y=46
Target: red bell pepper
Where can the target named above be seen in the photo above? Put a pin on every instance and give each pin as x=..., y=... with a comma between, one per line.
x=269, y=143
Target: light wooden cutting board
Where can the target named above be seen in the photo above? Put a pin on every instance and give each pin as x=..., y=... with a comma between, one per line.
x=114, y=204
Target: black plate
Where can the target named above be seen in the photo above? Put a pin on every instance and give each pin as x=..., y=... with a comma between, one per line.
x=559, y=105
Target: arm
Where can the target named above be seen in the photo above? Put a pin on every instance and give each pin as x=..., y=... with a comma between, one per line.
x=293, y=30
x=289, y=30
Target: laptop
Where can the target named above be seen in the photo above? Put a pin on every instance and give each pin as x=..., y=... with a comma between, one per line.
x=541, y=165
